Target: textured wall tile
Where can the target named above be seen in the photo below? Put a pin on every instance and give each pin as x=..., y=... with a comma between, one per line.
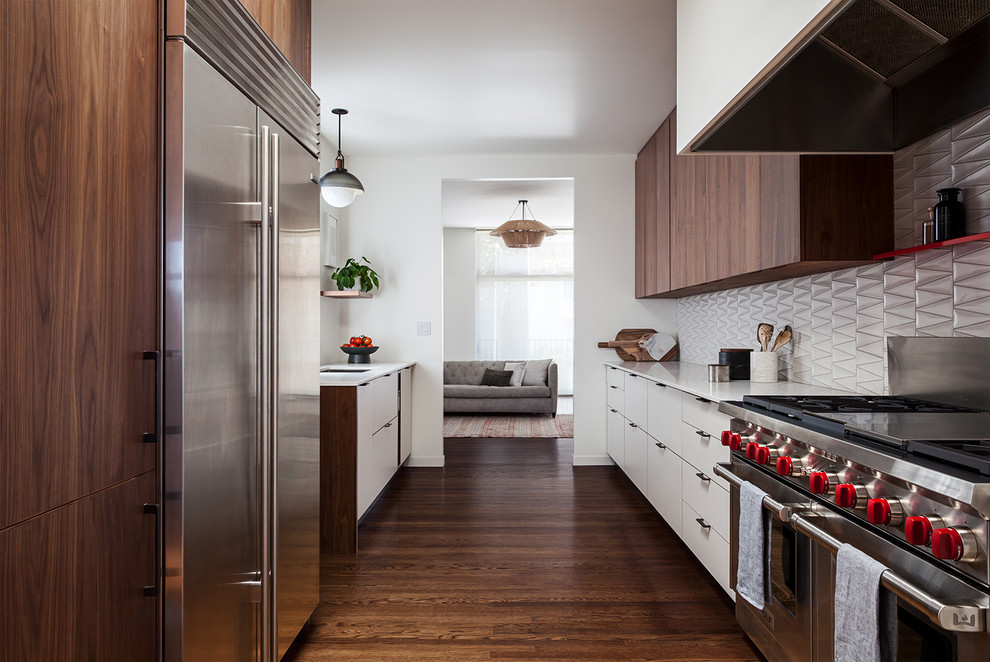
x=971, y=289
x=933, y=295
x=869, y=329
x=844, y=329
x=801, y=329
x=821, y=330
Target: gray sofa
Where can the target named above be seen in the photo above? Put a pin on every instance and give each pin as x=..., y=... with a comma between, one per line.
x=464, y=393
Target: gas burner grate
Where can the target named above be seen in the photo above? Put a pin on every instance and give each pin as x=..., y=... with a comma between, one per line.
x=972, y=455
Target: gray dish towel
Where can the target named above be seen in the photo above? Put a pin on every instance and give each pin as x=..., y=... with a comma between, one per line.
x=865, y=613
x=754, y=546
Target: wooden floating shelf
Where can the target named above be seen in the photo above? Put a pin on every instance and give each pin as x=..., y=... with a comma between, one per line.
x=345, y=294
x=935, y=244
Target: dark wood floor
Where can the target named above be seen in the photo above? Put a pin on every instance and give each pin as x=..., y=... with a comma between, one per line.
x=509, y=552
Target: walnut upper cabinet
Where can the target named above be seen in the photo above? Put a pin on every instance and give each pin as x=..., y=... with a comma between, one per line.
x=653, y=213
x=736, y=220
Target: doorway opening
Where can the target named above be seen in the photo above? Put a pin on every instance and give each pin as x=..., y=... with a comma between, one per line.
x=507, y=310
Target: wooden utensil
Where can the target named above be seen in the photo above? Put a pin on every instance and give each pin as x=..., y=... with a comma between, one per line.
x=764, y=332
x=630, y=345
x=783, y=338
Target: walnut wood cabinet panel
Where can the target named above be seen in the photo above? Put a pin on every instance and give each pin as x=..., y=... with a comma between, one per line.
x=73, y=579
x=738, y=220
x=653, y=214
x=80, y=271
x=288, y=24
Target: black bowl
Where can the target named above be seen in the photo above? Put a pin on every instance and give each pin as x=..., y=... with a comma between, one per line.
x=359, y=354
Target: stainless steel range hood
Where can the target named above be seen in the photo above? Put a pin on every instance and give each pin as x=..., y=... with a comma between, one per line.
x=874, y=76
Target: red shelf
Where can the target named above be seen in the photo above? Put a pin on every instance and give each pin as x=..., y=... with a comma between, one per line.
x=935, y=244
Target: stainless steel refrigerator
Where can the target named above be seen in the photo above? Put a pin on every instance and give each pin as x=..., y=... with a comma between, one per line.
x=241, y=339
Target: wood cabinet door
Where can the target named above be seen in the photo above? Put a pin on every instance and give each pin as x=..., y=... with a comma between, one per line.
x=73, y=580
x=733, y=215
x=79, y=248
x=653, y=213
x=689, y=240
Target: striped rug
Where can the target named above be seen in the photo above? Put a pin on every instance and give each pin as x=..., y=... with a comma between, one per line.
x=532, y=426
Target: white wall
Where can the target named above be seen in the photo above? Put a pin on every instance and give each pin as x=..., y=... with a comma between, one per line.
x=723, y=44
x=459, y=297
x=329, y=308
x=396, y=224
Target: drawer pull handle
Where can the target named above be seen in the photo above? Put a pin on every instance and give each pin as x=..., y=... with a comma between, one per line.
x=633, y=425
x=615, y=387
x=702, y=476
x=704, y=400
x=614, y=411
x=703, y=523
x=660, y=446
x=702, y=434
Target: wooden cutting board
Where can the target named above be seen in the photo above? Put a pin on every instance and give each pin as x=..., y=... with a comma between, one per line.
x=626, y=344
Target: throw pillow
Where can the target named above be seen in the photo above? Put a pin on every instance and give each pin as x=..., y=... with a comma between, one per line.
x=536, y=373
x=496, y=377
x=518, y=372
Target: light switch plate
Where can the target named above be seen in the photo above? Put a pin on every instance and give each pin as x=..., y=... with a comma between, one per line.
x=422, y=328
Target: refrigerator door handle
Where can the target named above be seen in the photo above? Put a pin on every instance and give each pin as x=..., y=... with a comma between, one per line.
x=273, y=320
x=265, y=179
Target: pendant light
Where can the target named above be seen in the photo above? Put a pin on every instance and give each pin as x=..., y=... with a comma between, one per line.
x=338, y=186
x=522, y=232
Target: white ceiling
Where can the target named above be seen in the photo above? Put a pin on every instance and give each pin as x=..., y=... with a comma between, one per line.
x=487, y=203
x=493, y=77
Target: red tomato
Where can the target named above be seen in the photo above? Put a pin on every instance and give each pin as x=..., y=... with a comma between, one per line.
x=353, y=340
x=367, y=342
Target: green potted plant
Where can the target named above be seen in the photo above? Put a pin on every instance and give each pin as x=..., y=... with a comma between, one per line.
x=348, y=276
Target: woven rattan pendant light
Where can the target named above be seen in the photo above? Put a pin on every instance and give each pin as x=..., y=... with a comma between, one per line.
x=522, y=232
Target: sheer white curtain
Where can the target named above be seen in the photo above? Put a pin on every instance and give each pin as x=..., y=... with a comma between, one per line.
x=525, y=302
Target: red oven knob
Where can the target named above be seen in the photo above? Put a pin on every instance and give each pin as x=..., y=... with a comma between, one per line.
x=819, y=483
x=752, y=450
x=731, y=439
x=947, y=544
x=884, y=512
x=850, y=495
x=785, y=466
x=918, y=529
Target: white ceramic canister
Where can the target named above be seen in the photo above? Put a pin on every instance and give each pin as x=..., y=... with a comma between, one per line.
x=763, y=367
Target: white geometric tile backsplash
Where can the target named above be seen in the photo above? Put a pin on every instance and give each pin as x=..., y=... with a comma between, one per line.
x=841, y=319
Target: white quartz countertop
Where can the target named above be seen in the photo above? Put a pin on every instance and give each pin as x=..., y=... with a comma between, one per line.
x=693, y=378
x=355, y=374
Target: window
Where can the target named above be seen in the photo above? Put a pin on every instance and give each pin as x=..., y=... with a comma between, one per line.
x=525, y=302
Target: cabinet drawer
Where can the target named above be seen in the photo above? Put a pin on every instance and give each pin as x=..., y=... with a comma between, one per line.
x=664, y=483
x=706, y=497
x=615, y=430
x=635, y=456
x=385, y=399
x=703, y=450
x=663, y=421
x=634, y=399
x=615, y=398
x=710, y=548
x=704, y=415
x=615, y=377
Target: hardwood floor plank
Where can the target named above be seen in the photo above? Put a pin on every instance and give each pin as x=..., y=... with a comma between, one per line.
x=509, y=552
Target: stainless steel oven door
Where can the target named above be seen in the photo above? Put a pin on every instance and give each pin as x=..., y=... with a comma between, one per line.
x=919, y=637
x=783, y=630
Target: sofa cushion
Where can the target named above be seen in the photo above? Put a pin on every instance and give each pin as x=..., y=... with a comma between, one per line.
x=468, y=372
x=496, y=377
x=518, y=369
x=536, y=373
x=477, y=391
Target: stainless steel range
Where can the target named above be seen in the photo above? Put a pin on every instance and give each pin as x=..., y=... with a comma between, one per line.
x=904, y=479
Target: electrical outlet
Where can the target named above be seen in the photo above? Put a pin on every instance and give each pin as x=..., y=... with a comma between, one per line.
x=422, y=328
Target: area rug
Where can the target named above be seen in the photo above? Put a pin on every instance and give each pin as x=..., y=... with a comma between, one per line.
x=533, y=426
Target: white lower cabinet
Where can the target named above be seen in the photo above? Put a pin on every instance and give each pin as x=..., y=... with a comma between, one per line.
x=706, y=497
x=670, y=460
x=635, y=455
x=615, y=432
x=710, y=548
x=664, y=482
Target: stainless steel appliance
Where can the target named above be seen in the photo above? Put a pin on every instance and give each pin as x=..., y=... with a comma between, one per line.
x=902, y=479
x=241, y=321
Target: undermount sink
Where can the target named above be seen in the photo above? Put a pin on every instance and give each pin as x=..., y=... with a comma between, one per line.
x=344, y=369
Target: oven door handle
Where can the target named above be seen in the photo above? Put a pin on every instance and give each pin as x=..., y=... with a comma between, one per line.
x=783, y=511
x=958, y=617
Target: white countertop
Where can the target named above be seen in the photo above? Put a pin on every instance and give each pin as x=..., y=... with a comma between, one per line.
x=357, y=373
x=693, y=378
